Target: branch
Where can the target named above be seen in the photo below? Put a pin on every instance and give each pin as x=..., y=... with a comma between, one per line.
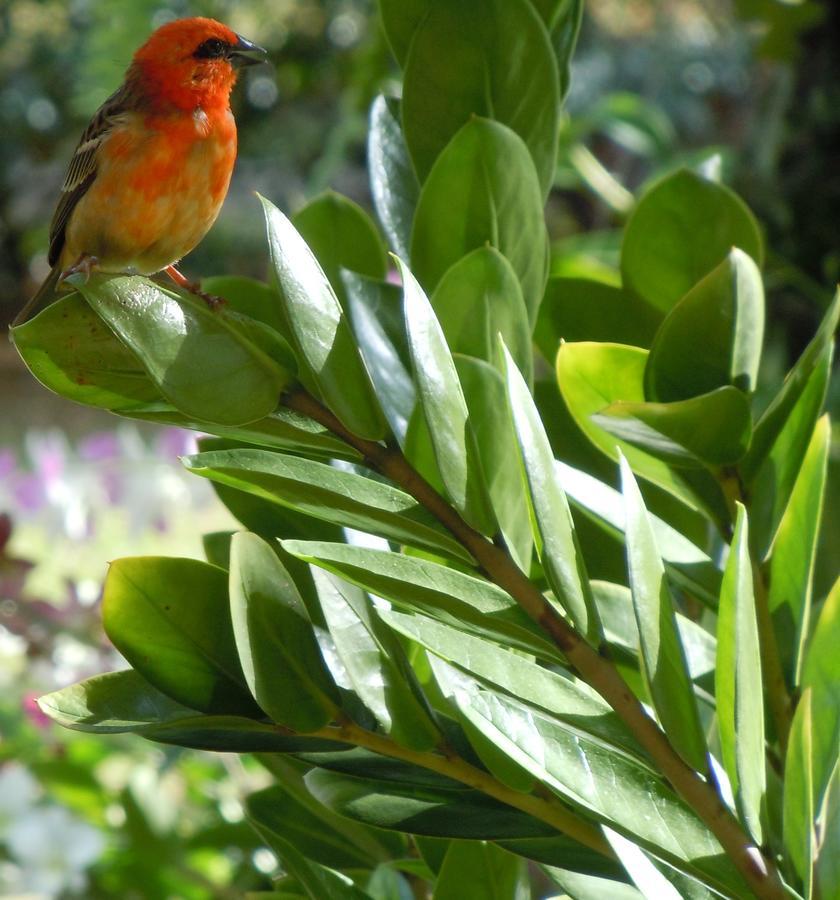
x=757, y=870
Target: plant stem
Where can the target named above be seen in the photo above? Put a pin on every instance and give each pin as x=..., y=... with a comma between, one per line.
x=757, y=870
x=547, y=809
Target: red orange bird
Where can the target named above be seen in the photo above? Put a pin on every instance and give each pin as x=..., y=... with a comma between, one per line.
x=152, y=168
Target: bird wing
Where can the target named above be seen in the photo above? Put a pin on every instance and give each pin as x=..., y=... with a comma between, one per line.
x=82, y=169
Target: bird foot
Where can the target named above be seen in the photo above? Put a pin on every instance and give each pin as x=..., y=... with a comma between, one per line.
x=193, y=287
x=85, y=264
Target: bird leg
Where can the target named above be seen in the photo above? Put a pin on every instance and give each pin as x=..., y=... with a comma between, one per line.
x=84, y=264
x=193, y=287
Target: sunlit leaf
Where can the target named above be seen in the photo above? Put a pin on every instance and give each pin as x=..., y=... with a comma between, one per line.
x=799, y=806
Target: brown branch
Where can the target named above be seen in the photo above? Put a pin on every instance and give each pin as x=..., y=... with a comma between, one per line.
x=757, y=870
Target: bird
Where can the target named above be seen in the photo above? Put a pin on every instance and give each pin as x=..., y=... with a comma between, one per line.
x=152, y=168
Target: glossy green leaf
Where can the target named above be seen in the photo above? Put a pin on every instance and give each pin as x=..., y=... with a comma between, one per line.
x=479, y=298
x=787, y=404
x=483, y=190
x=327, y=493
x=444, y=408
x=393, y=184
x=320, y=329
x=661, y=654
x=563, y=20
x=472, y=604
x=342, y=236
x=738, y=683
x=201, y=362
x=594, y=376
x=125, y=702
x=680, y=230
x=71, y=351
x=615, y=603
x=249, y=297
x=554, y=531
x=712, y=429
x=821, y=674
x=645, y=875
x=376, y=664
x=580, y=309
x=828, y=861
x=376, y=317
x=618, y=789
x=170, y=619
x=280, y=656
x=518, y=676
x=281, y=430
x=419, y=808
x=799, y=806
x=476, y=870
x=581, y=886
x=783, y=433
x=484, y=390
x=794, y=553
x=400, y=19
x=712, y=337
x=687, y=564
x=495, y=61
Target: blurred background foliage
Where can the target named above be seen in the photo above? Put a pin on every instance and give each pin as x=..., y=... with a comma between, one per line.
x=752, y=86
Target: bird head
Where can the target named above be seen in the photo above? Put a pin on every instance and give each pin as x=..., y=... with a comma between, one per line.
x=192, y=62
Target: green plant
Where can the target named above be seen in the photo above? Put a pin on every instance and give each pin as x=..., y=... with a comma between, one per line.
x=428, y=633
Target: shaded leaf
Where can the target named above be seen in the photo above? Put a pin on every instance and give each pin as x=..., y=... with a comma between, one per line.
x=444, y=408
x=476, y=870
x=682, y=227
x=663, y=662
x=321, y=332
x=400, y=19
x=483, y=190
x=279, y=654
x=170, y=618
x=799, y=806
x=738, y=683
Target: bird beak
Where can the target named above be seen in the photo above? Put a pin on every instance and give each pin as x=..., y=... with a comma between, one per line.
x=244, y=53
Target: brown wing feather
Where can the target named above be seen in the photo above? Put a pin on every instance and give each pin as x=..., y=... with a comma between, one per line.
x=82, y=169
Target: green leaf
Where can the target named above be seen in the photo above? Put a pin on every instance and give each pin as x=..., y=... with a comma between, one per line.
x=484, y=391
x=594, y=376
x=517, y=676
x=479, y=298
x=821, y=673
x=201, y=362
x=588, y=887
x=320, y=329
x=563, y=20
x=554, y=530
x=375, y=310
x=125, y=702
x=71, y=351
x=327, y=493
x=680, y=230
x=492, y=60
x=799, y=806
x=599, y=780
x=476, y=870
x=645, y=875
x=342, y=236
x=310, y=827
x=375, y=662
x=444, y=408
x=483, y=190
x=393, y=184
x=687, y=564
x=828, y=861
x=794, y=553
x=249, y=297
x=471, y=604
x=712, y=337
x=738, y=683
x=580, y=309
x=280, y=657
x=400, y=19
x=661, y=654
x=419, y=808
x=713, y=429
x=170, y=619
x=786, y=403
x=282, y=430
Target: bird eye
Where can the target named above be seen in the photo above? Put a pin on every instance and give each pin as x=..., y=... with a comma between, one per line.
x=212, y=48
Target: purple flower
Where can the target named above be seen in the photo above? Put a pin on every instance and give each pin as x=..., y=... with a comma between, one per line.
x=99, y=446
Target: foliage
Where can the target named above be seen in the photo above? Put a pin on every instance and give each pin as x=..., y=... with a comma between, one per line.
x=410, y=632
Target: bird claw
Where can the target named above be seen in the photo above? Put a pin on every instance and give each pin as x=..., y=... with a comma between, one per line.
x=193, y=287
x=84, y=265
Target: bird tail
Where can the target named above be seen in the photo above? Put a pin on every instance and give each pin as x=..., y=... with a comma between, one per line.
x=43, y=293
